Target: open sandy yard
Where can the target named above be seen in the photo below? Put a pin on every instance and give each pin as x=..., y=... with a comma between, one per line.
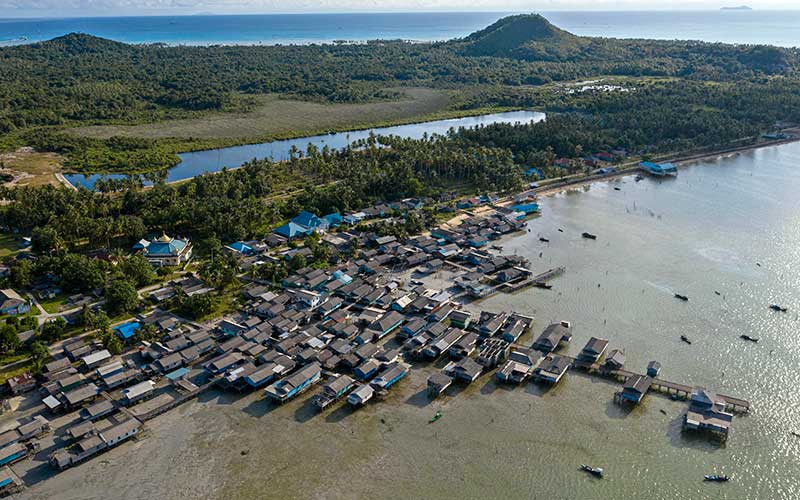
x=28, y=167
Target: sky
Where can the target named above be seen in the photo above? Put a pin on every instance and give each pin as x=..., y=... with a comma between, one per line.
x=64, y=8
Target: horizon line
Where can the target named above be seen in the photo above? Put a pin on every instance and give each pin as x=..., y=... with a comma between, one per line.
x=375, y=12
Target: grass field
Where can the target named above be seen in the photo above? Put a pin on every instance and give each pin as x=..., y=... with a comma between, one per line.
x=30, y=168
x=8, y=245
x=281, y=117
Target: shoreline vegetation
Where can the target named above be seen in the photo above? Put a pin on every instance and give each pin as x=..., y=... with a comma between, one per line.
x=682, y=160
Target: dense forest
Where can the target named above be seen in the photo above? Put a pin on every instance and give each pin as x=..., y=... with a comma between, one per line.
x=80, y=79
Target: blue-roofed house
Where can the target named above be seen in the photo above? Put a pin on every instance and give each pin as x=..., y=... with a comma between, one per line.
x=293, y=230
x=127, y=330
x=241, y=247
x=659, y=169
x=531, y=171
x=334, y=220
x=526, y=208
x=168, y=251
x=310, y=221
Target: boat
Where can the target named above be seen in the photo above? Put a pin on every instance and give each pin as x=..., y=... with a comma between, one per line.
x=663, y=412
x=560, y=230
x=748, y=338
x=436, y=417
x=682, y=297
x=497, y=247
x=542, y=285
x=776, y=307
x=795, y=434
x=715, y=478
x=617, y=189
x=595, y=471
x=589, y=236
x=544, y=240
x=638, y=177
x=686, y=339
x=717, y=292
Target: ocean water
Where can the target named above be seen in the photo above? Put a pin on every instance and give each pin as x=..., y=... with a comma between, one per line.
x=730, y=225
x=214, y=160
x=771, y=27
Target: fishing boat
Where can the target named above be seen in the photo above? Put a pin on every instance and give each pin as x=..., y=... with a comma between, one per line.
x=686, y=339
x=560, y=230
x=682, y=297
x=542, y=285
x=715, y=291
x=497, y=247
x=776, y=307
x=436, y=417
x=589, y=236
x=715, y=478
x=544, y=240
x=748, y=338
x=595, y=471
x=617, y=189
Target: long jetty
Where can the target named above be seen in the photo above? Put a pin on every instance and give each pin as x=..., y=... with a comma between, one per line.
x=681, y=391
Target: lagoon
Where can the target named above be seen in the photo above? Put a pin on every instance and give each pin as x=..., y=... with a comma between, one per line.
x=214, y=160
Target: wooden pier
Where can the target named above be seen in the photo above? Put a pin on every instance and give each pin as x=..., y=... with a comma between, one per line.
x=672, y=389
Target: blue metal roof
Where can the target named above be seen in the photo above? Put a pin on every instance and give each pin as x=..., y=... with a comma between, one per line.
x=127, y=330
x=292, y=230
x=307, y=219
x=177, y=374
x=241, y=247
x=165, y=247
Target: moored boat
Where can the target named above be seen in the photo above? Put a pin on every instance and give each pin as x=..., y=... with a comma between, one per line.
x=595, y=471
x=715, y=478
x=686, y=339
x=436, y=417
x=748, y=338
x=544, y=240
x=682, y=297
x=589, y=236
x=776, y=307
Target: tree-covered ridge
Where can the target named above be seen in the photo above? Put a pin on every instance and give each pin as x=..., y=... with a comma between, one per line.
x=80, y=79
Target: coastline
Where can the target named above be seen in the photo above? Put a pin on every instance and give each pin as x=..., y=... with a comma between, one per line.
x=680, y=161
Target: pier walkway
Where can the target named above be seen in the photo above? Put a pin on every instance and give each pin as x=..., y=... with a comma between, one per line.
x=680, y=391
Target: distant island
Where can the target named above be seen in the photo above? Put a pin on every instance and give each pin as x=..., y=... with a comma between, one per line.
x=739, y=7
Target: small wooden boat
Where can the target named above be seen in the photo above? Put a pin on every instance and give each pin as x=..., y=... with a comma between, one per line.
x=544, y=240
x=560, y=230
x=638, y=178
x=686, y=339
x=748, y=338
x=682, y=297
x=715, y=478
x=617, y=189
x=795, y=434
x=589, y=236
x=497, y=247
x=542, y=285
x=776, y=307
x=663, y=412
x=436, y=417
x=595, y=471
x=717, y=292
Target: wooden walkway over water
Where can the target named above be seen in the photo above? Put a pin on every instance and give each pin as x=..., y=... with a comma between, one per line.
x=673, y=389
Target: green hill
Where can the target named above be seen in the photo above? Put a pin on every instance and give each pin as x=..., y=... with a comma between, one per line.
x=519, y=36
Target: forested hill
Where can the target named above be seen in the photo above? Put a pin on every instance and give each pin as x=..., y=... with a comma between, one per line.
x=534, y=38
x=80, y=78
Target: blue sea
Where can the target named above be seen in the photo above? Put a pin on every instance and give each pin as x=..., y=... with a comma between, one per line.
x=770, y=27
